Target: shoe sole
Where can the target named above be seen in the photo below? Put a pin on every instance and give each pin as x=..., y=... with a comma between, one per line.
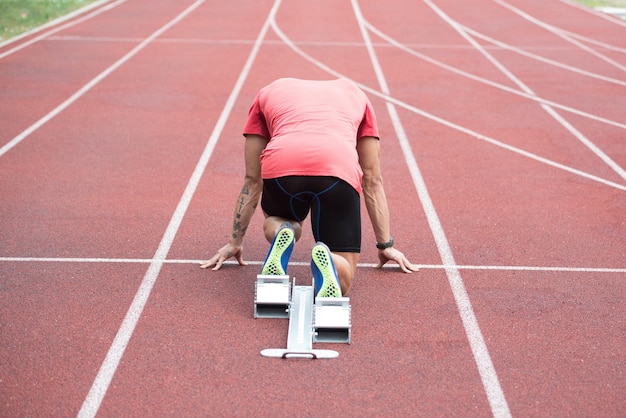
x=323, y=261
x=283, y=240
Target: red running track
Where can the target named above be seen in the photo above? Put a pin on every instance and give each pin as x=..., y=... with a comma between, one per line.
x=503, y=132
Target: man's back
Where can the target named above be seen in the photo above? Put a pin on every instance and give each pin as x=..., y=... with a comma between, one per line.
x=313, y=127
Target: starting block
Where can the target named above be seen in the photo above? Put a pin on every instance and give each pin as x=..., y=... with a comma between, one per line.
x=320, y=320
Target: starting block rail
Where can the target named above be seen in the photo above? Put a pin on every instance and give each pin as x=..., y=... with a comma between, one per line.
x=310, y=319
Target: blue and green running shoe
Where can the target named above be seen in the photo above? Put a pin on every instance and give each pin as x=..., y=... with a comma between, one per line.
x=280, y=251
x=324, y=272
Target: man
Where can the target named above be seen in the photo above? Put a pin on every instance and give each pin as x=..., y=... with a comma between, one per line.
x=313, y=146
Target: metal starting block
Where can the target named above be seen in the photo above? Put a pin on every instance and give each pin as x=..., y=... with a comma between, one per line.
x=272, y=296
x=323, y=320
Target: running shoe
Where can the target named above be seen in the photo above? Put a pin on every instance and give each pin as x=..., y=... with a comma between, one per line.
x=280, y=251
x=324, y=272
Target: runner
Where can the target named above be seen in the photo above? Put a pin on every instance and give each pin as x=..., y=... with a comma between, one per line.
x=313, y=146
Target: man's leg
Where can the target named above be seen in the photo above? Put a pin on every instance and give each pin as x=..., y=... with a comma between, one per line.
x=345, y=264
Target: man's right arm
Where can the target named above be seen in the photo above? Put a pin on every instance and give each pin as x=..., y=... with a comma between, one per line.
x=246, y=204
x=251, y=190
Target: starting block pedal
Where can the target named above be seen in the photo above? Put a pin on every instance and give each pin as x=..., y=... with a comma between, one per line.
x=332, y=320
x=272, y=296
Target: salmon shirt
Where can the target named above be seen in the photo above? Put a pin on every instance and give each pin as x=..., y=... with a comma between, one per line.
x=312, y=127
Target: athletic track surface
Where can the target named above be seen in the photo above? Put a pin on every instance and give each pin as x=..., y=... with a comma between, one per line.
x=503, y=130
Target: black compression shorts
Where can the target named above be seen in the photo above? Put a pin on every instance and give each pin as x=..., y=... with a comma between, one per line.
x=335, y=208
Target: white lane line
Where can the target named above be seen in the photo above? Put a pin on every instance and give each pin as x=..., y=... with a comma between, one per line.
x=307, y=264
x=445, y=122
x=109, y=366
x=575, y=132
x=502, y=87
x=540, y=58
x=560, y=34
x=8, y=146
x=487, y=371
x=60, y=28
x=322, y=44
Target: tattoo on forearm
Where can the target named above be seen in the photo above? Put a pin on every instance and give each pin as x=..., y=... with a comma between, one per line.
x=237, y=228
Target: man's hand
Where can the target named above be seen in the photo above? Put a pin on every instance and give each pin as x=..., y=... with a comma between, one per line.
x=224, y=253
x=391, y=254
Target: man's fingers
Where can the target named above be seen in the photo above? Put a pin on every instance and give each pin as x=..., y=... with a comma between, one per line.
x=218, y=265
x=207, y=264
x=406, y=265
x=397, y=257
x=216, y=261
x=401, y=262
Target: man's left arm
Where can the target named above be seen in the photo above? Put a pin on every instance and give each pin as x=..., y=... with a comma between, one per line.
x=368, y=149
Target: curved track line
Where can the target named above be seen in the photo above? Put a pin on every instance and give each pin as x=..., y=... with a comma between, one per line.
x=60, y=28
x=591, y=40
x=493, y=83
x=558, y=32
x=594, y=42
x=103, y=379
x=577, y=134
x=482, y=358
x=540, y=58
x=442, y=121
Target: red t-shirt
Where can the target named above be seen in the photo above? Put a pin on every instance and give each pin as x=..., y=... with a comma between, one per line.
x=312, y=128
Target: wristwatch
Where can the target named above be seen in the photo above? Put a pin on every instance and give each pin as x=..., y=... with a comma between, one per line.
x=383, y=245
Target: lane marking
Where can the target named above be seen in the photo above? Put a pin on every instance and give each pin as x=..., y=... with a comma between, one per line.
x=445, y=122
x=540, y=58
x=307, y=264
x=74, y=97
x=109, y=366
x=502, y=86
x=482, y=358
x=491, y=383
x=76, y=38
x=560, y=34
x=504, y=70
x=60, y=28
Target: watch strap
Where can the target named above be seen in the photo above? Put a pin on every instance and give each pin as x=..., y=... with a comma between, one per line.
x=383, y=245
